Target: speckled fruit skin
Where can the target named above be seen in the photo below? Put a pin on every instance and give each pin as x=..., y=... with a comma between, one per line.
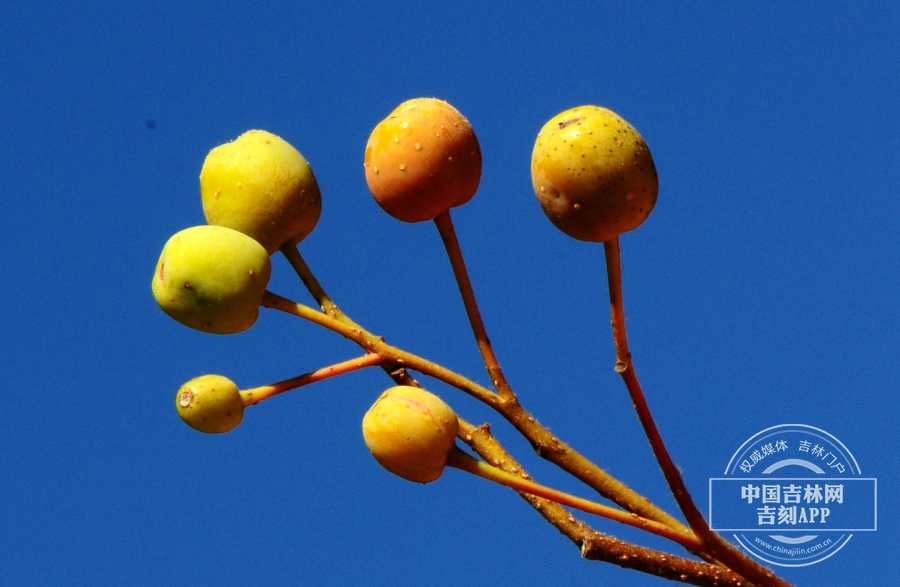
x=210, y=404
x=422, y=159
x=212, y=279
x=262, y=186
x=410, y=433
x=593, y=174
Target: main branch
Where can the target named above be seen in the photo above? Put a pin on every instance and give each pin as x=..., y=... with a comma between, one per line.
x=595, y=545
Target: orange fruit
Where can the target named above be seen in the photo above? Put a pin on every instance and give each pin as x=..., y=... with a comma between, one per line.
x=422, y=159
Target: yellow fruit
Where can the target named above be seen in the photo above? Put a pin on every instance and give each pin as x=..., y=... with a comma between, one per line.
x=593, y=174
x=262, y=186
x=422, y=159
x=212, y=279
x=410, y=432
x=210, y=404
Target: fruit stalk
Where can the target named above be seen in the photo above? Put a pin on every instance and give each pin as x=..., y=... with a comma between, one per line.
x=292, y=254
x=510, y=408
x=451, y=243
x=625, y=368
x=258, y=394
x=712, y=544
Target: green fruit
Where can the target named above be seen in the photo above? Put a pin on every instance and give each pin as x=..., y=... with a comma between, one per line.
x=410, y=433
x=212, y=279
x=262, y=186
x=210, y=404
x=593, y=174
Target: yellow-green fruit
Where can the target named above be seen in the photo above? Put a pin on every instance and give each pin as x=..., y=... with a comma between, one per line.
x=422, y=159
x=593, y=174
x=410, y=433
x=262, y=186
x=212, y=279
x=210, y=404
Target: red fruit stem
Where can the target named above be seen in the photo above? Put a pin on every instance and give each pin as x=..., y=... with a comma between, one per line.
x=448, y=235
x=258, y=394
x=711, y=543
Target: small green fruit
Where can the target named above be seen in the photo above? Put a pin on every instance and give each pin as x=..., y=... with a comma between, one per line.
x=212, y=279
x=262, y=186
x=210, y=404
x=410, y=433
x=593, y=174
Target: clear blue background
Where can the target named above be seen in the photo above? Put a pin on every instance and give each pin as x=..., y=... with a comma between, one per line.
x=762, y=290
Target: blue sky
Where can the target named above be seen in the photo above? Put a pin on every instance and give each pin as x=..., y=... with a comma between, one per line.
x=761, y=291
